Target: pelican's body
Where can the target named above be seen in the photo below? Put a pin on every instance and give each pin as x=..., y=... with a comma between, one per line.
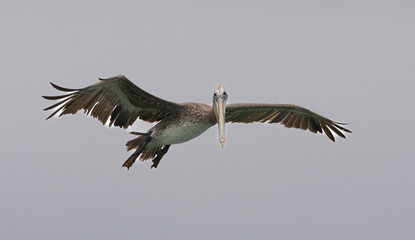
x=120, y=101
x=193, y=120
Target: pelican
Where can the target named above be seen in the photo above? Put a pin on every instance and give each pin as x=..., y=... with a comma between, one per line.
x=121, y=102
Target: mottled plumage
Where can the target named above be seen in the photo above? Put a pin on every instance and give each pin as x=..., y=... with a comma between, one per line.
x=121, y=102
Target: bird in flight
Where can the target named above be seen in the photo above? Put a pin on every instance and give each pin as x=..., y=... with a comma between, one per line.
x=121, y=102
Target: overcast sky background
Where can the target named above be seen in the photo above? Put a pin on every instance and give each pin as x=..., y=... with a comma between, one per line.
x=351, y=61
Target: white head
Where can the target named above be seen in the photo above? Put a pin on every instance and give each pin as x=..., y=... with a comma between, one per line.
x=219, y=107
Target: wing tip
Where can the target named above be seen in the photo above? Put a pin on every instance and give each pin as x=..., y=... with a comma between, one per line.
x=342, y=128
x=347, y=130
x=57, y=97
x=62, y=88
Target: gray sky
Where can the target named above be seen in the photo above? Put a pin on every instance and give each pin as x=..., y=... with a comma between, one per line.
x=351, y=61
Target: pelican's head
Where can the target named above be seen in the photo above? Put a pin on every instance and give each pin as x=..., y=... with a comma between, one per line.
x=219, y=107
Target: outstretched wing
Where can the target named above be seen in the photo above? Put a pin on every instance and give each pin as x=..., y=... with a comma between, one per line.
x=288, y=115
x=114, y=98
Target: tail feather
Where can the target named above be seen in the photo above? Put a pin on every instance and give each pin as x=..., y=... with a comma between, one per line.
x=135, y=143
x=154, y=153
x=149, y=153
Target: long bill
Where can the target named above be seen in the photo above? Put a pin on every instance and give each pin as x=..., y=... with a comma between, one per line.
x=220, y=108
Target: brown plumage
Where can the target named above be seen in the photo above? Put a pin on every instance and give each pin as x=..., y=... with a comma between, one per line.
x=291, y=116
x=116, y=98
x=119, y=102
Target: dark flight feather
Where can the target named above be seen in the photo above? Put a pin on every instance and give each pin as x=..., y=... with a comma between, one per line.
x=117, y=99
x=291, y=116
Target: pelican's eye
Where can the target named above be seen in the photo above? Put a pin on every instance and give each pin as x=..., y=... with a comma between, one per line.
x=214, y=94
x=224, y=93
